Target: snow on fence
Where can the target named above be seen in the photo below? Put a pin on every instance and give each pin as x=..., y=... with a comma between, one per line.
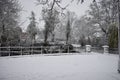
x=19, y=50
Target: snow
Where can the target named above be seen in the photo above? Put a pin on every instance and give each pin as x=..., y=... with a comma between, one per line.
x=76, y=45
x=65, y=67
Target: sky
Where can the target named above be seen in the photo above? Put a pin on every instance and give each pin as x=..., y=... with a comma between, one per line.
x=30, y=5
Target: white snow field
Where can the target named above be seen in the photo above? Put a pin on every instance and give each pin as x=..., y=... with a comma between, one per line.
x=65, y=67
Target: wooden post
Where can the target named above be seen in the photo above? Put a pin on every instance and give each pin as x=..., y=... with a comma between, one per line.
x=21, y=50
x=41, y=49
x=0, y=49
x=59, y=49
x=32, y=50
x=9, y=50
x=68, y=49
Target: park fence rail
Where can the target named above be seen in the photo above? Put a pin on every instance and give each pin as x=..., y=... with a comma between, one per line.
x=20, y=50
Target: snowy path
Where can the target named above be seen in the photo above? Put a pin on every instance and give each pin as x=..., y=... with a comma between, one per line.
x=69, y=67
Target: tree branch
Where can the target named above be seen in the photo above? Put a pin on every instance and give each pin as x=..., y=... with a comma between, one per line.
x=63, y=8
x=54, y=1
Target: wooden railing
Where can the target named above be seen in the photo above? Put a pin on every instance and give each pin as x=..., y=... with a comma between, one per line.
x=19, y=50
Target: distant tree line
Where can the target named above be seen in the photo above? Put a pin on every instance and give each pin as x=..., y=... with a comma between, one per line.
x=93, y=28
x=98, y=27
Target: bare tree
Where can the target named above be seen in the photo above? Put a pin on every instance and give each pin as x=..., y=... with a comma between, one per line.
x=102, y=13
x=51, y=19
x=83, y=29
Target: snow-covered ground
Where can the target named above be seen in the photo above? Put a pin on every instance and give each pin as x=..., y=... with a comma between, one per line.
x=65, y=67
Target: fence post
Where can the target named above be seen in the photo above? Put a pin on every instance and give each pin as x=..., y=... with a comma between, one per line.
x=59, y=49
x=31, y=50
x=21, y=49
x=41, y=49
x=0, y=50
x=9, y=50
x=68, y=49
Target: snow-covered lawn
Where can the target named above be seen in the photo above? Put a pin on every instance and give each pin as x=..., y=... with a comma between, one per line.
x=65, y=67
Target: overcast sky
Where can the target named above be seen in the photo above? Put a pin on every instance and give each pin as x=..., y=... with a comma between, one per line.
x=30, y=5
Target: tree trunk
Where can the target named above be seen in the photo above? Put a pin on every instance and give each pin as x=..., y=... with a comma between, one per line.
x=45, y=36
x=3, y=37
x=119, y=35
x=106, y=39
x=67, y=37
x=53, y=37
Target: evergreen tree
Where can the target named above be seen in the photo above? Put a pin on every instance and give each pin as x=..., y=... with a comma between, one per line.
x=68, y=29
x=9, y=15
x=113, y=36
x=32, y=29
